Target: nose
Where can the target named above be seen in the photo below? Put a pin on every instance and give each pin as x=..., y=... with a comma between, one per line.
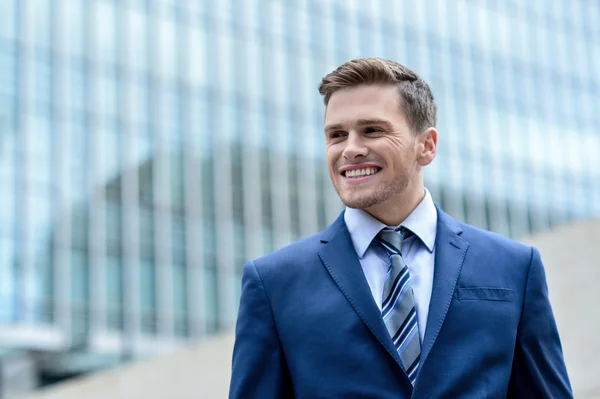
x=355, y=147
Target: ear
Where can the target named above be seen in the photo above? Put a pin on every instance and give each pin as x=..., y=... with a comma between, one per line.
x=427, y=146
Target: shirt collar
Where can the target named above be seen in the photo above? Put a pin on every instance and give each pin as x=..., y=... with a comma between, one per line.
x=363, y=227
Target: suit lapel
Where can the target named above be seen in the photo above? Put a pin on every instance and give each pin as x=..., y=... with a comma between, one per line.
x=340, y=259
x=449, y=256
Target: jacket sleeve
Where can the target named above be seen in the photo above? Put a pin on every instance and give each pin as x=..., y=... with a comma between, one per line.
x=538, y=366
x=258, y=368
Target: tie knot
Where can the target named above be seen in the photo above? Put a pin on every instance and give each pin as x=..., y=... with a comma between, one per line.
x=391, y=239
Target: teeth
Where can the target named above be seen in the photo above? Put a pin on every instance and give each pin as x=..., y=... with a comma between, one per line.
x=361, y=172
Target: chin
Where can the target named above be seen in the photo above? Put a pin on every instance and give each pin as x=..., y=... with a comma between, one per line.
x=359, y=201
x=366, y=198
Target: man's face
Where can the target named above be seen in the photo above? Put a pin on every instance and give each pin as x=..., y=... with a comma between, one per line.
x=372, y=154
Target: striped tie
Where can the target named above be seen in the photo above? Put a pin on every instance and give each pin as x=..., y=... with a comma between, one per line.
x=398, y=304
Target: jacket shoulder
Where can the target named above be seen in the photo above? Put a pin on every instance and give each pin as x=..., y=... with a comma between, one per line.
x=296, y=253
x=487, y=241
x=301, y=253
x=498, y=250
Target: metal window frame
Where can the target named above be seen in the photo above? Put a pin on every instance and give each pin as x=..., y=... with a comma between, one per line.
x=62, y=230
x=25, y=107
x=96, y=193
x=161, y=187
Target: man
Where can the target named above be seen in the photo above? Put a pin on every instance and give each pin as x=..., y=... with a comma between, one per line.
x=395, y=299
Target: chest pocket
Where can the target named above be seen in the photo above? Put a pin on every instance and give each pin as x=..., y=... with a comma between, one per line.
x=484, y=294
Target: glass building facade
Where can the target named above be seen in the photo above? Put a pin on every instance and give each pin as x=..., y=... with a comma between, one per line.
x=149, y=147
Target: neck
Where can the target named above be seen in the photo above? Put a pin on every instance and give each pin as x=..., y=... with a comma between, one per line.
x=395, y=210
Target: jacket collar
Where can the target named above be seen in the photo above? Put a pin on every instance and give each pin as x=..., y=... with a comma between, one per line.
x=363, y=227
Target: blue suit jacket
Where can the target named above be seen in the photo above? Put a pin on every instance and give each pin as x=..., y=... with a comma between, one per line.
x=308, y=326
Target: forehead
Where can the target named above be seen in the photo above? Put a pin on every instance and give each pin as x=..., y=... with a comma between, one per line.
x=363, y=102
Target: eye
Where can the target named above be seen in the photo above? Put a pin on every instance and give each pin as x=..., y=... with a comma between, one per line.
x=373, y=130
x=337, y=134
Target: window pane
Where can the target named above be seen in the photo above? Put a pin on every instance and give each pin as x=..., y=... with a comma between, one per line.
x=40, y=153
x=73, y=23
x=137, y=36
x=114, y=291
x=211, y=299
x=105, y=26
x=107, y=95
x=8, y=17
x=167, y=62
x=75, y=99
x=8, y=68
x=79, y=291
x=180, y=299
x=43, y=267
x=8, y=275
x=42, y=79
x=42, y=14
x=148, y=296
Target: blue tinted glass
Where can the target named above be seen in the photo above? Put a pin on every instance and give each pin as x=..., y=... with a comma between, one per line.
x=114, y=292
x=43, y=278
x=104, y=20
x=107, y=95
x=76, y=81
x=148, y=295
x=8, y=276
x=180, y=308
x=77, y=160
x=8, y=19
x=8, y=68
x=43, y=78
x=73, y=22
x=42, y=13
x=41, y=150
x=8, y=134
x=79, y=282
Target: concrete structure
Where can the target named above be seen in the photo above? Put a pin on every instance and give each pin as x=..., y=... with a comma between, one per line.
x=571, y=255
x=572, y=258
x=199, y=372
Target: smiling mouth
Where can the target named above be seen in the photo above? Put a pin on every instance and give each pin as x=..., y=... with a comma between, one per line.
x=356, y=173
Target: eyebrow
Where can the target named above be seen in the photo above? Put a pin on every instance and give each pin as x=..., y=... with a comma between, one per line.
x=360, y=122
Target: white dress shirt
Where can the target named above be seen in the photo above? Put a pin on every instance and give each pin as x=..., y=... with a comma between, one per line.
x=418, y=251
